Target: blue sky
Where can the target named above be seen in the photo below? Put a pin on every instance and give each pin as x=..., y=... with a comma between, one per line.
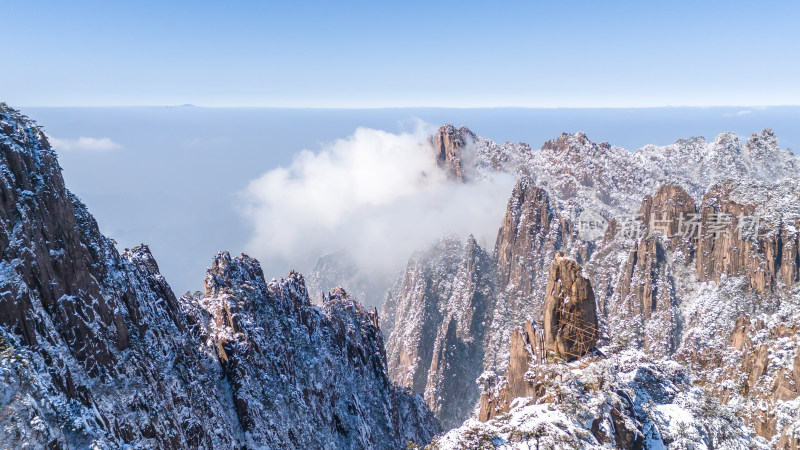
x=381, y=54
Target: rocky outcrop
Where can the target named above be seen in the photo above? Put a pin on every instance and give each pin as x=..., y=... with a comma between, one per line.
x=580, y=172
x=445, y=312
x=96, y=350
x=583, y=176
x=300, y=376
x=570, y=331
x=449, y=144
x=623, y=401
x=413, y=312
x=661, y=296
x=570, y=316
x=441, y=309
x=644, y=304
x=674, y=282
x=531, y=235
x=458, y=351
x=761, y=375
x=103, y=338
x=670, y=213
x=526, y=348
x=737, y=240
x=332, y=271
x=723, y=237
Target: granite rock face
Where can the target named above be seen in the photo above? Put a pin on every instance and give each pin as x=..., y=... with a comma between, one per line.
x=722, y=238
x=488, y=295
x=680, y=260
x=449, y=144
x=442, y=308
x=96, y=350
x=645, y=292
x=531, y=231
x=531, y=235
x=570, y=315
x=102, y=352
x=525, y=349
x=737, y=239
x=623, y=401
x=570, y=331
x=414, y=312
x=302, y=376
x=458, y=350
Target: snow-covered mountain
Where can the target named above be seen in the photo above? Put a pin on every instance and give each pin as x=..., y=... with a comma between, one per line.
x=97, y=352
x=692, y=250
x=645, y=299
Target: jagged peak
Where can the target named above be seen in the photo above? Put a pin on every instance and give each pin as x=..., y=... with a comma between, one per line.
x=667, y=193
x=140, y=251
x=11, y=115
x=692, y=141
x=338, y=294
x=569, y=142
x=449, y=144
x=694, y=144
x=720, y=191
x=561, y=257
x=23, y=136
x=569, y=316
x=338, y=302
x=727, y=140
x=525, y=191
x=451, y=129
x=669, y=203
x=447, y=246
x=763, y=140
x=142, y=256
x=232, y=272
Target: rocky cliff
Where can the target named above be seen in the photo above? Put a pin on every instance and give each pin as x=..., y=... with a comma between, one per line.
x=570, y=313
x=697, y=234
x=458, y=351
x=301, y=376
x=100, y=349
x=531, y=234
x=96, y=350
x=502, y=290
x=442, y=308
x=570, y=331
x=449, y=144
x=413, y=312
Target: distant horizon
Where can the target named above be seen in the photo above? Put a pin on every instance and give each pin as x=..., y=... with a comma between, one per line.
x=194, y=105
x=199, y=159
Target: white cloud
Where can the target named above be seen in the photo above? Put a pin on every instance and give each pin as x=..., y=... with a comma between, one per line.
x=377, y=194
x=83, y=143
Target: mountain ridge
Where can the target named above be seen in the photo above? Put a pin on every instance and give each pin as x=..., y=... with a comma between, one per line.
x=660, y=290
x=97, y=351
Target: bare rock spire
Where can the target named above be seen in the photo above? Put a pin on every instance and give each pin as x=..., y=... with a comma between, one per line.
x=570, y=317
